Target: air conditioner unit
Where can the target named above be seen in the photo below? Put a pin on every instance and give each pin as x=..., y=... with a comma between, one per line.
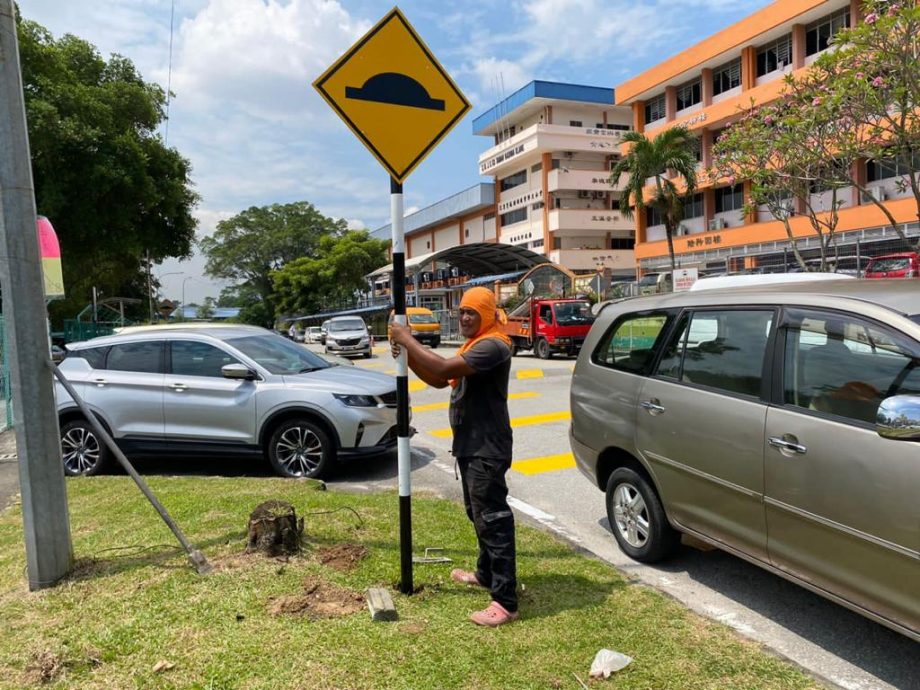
x=584, y=194
x=682, y=230
x=717, y=224
x=877, y=193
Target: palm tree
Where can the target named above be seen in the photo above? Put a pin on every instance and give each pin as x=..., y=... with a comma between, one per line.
x=672, y=150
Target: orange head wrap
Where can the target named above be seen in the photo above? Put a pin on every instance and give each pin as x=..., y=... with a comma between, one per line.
x=483, y=301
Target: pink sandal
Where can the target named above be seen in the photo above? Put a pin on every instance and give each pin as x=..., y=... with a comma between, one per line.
x=465, y=577
x=494, y=615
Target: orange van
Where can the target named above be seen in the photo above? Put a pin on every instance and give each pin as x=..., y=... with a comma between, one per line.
x=424, y=324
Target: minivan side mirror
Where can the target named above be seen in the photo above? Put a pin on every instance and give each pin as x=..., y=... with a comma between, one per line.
x=898, y=418
x=238, y=372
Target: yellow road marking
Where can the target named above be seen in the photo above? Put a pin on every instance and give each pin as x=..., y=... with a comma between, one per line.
x=415, y=386
x=445, y=405
x=519, y=422
x=549, y=463
x=530, y=374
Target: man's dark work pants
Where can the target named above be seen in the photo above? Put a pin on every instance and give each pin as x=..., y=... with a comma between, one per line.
x=485, y=495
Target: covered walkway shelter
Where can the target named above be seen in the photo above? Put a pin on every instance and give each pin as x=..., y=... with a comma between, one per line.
x=438, y=278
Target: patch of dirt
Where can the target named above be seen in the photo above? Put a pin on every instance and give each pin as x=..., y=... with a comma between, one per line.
x=342, y=557
x=45, y=667
x=319, y=599
x=413, y=627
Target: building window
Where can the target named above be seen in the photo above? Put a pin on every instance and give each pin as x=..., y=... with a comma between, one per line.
x=622, y=243
x=693, y=207
x=655, y=109
x=774, y=56
x=514, y=180
x=818, y=34
x=557, y=243
x=884, y=168
x=726, y=77
x=729, y=198
x=489, y=216
x=513, y=217
x=536, y=244
x=536, y=168
x=537, y=206
x=575, y=123
x=689, y=94
x=653, y=216
x=697, y=145
x=466, y=232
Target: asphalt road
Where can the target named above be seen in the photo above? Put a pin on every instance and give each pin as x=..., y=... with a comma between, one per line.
x=837, y=646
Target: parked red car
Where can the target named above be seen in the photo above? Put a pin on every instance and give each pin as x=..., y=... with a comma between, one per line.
x=903, y=265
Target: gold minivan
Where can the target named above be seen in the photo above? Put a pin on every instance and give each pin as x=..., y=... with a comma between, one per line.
x=426, y=328
x=780, y=423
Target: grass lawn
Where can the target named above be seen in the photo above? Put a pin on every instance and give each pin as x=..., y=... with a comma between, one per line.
x=133, y=604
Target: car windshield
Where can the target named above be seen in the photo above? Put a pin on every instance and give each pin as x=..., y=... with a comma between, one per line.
x=422, y=318
x=347, y=325
x=570, y=313
x=885, y=265
x=278, y=355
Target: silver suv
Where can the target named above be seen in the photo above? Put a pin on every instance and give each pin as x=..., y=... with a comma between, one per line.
x=222, y=390
x=347, y=335
x=779, y=423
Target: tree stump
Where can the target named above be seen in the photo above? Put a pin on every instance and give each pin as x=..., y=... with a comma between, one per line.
x=274, y=529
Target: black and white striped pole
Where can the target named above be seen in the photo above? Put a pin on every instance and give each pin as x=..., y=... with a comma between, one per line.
x=404, y=456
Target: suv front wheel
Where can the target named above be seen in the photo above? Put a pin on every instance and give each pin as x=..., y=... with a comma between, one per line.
x=83, y=452
x=637, y=518
x=300, y=448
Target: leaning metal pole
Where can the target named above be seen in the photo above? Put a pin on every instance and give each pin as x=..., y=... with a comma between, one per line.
x=46, y=522
x=404, y=453
x=194, y=555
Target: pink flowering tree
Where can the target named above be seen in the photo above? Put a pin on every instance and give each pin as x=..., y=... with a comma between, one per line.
x=874, y=76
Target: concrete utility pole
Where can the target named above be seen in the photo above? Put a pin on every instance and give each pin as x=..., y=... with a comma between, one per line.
x=46, y=523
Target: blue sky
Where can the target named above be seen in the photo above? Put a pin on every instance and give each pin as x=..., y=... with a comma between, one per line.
x=245, y=114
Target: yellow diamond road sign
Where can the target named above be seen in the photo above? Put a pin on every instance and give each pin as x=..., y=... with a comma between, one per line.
x=393, y=94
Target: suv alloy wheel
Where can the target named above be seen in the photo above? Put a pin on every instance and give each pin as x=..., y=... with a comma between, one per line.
x=83, y=451
x=637, y=519
x=300, y=448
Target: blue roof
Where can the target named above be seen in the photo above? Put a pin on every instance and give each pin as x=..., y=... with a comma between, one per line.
x=488, y=280
x=543, y=89
x=479, y=196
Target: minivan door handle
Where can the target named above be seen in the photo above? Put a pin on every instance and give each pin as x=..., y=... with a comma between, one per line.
x=783, y=444
x=179, y=387
x=653, y=406
x=100, y=382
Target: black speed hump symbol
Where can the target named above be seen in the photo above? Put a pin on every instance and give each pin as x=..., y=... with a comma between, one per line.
x=394, y=88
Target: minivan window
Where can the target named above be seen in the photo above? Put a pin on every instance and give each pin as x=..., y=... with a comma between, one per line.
x=723, y=350
x=144, y=357
x=630, y=344
x=423, y=318
x=347, y=325
x=845, y=366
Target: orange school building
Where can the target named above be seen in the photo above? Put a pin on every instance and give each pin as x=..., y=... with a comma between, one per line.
x=704, y=88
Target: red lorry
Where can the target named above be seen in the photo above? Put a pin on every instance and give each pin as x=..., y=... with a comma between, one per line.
x=547, y=326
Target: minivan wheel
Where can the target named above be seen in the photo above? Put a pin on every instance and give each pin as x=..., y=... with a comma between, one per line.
x=300, y=448
x=436, y=343
x=637, y=518
x=83, y=452
x=541, y=349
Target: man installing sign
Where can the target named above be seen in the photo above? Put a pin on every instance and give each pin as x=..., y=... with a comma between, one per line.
x=478, y=375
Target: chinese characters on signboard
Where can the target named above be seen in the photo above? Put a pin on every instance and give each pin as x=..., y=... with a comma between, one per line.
x=703, y=241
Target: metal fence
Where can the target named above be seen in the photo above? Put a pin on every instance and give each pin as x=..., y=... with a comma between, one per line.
x=6, y=415
x=77, y=331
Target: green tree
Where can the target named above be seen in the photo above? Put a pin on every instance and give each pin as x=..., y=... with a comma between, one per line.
x=102, y=175
x=206, y=311
x=335, y=275
x=673, y=150
x=253, y=244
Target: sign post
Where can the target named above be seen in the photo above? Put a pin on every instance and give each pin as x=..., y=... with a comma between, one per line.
x=400, y=102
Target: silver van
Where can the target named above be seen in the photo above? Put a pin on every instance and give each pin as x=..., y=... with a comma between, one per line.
x=346, y=336
x=780, y=423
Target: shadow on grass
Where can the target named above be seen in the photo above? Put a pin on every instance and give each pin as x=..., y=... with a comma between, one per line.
x=549, y=594
x=98, y=566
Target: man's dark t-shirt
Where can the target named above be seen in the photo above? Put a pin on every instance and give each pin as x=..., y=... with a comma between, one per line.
x=479, y=403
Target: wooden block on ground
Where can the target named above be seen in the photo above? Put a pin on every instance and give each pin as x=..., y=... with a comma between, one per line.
x=381, y=604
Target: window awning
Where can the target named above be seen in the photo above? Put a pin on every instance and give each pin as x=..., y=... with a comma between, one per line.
x=489, y=280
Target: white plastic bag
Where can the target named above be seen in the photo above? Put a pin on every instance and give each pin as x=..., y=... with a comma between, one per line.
x=607, y=661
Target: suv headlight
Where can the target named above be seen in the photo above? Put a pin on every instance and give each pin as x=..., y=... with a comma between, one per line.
x=364, y=339
x=356, y=400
